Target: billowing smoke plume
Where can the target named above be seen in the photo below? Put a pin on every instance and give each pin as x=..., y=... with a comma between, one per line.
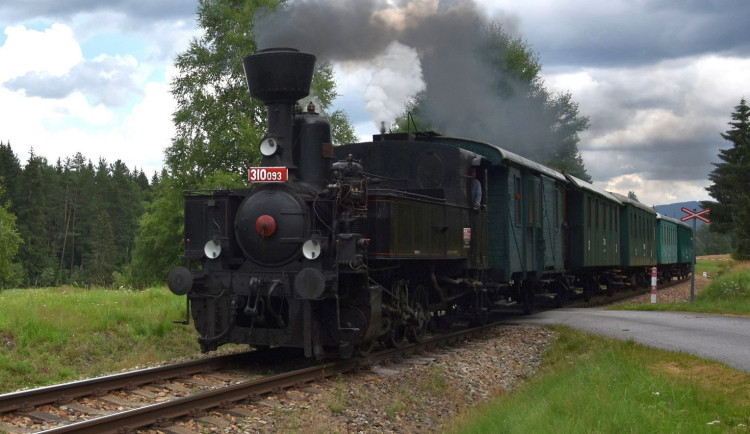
x=397, y=77
x=435, y=46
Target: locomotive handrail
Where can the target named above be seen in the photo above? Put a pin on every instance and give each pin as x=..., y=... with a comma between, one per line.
x=406, y=194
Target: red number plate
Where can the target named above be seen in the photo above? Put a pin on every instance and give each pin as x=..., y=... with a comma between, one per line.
x=268, y=174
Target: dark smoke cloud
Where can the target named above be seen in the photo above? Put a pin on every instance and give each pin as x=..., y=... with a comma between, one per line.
x=332, y=30
x=447, y=35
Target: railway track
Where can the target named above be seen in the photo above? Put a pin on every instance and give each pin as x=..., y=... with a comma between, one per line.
x=130, y=403
x=157, y=396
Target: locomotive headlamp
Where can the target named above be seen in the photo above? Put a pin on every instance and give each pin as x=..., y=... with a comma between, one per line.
x=311, y=249
x=268, y=146
x=212, y=249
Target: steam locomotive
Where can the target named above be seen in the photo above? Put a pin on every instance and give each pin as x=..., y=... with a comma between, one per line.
x=336, y=249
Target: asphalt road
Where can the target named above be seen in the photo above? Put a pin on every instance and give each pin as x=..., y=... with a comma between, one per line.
x=717, y=337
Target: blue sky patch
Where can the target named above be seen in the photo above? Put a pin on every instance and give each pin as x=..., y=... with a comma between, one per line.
x=113, y=44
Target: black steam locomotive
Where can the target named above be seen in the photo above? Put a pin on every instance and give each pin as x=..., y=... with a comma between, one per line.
x=333, y=249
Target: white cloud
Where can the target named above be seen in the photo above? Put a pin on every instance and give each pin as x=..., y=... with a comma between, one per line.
x=53, y=51
x=149, y=129
x=59, y=127
x=656, y=192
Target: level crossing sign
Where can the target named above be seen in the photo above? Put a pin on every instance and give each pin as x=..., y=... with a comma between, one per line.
x=692, y=214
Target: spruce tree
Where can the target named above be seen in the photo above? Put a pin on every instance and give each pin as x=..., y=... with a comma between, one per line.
x=10, y=240
x=730, y=212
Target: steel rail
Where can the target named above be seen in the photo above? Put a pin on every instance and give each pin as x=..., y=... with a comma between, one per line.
x=158, y=413
x=162, y=413
x=27, y=399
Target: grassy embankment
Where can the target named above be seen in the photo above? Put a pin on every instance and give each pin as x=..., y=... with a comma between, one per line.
x=595, y=385
x=728, y=292
x=56, y=335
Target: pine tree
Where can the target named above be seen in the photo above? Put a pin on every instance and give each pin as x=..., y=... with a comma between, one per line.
x=730, y=179
x=100, y=259
x=33, y=205
x=10, y=240
x=10, y=170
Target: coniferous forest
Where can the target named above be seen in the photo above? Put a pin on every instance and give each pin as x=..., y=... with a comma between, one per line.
x=68, y=222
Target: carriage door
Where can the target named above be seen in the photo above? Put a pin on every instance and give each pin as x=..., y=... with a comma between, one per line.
x=533, y=240
x=478, y=254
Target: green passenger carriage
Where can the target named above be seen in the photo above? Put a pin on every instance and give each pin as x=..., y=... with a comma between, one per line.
x=526, y=204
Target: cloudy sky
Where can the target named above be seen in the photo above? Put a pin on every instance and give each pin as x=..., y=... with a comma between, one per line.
x=658, y=79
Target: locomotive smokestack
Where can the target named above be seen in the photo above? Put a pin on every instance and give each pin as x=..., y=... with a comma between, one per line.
x=279, y=77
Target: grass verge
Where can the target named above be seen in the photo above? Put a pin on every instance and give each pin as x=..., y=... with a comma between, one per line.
x=728, y=293
x=714, y=267
x=595, y=385
x=56, y=335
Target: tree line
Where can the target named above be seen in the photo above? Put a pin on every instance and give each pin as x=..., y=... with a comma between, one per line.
x=71, y=222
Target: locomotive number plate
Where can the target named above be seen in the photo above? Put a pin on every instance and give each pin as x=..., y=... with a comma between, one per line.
x=268, y=174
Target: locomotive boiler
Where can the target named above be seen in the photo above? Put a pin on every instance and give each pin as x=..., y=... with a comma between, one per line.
x=331, y=255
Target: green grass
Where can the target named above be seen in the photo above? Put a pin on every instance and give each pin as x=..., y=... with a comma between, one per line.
x=61, y=334
x=729, y=293
x=714, y=267
x=596, y=385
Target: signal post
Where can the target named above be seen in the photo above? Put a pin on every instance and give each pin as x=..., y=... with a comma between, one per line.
x=694, y=215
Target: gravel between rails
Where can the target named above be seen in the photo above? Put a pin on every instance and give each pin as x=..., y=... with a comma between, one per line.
x=417, y=395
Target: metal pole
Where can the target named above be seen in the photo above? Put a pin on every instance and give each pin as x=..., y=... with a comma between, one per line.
x=692, y=282
x=654, y=276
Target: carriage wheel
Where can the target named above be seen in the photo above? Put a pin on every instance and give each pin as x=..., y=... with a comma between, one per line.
x=528, y=290
x=417, y=331
x=481, y=309
x=589, y=284
x=610, y=282
x=562, y=292
x=365, y=348
x=396, y=337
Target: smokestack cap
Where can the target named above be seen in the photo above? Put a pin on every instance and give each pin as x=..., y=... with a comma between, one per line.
x=279, y=75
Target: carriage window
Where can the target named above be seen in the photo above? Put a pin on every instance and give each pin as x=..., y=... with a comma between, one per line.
x=531, y=200
x=596, y=211
x=517, y=198
x=588, y=213
x=539, y=199
x=606, y=217
x=639, y=226
x=641, y=232
x=556, y=203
